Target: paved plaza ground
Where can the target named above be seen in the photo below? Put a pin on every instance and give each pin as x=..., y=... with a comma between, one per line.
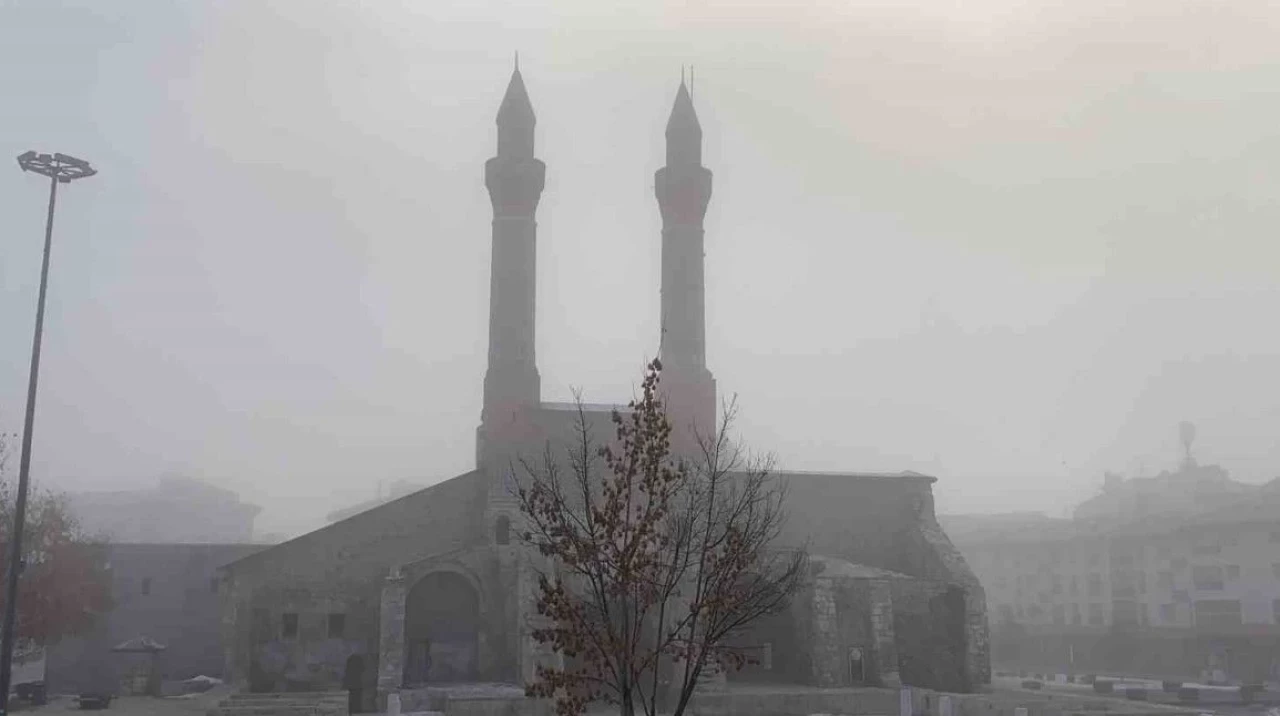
x=193, y=705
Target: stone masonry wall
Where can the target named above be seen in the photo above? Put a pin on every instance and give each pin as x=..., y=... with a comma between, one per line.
x=338, y=569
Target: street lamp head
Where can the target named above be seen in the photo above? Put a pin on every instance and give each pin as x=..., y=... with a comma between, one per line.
x=62, y=168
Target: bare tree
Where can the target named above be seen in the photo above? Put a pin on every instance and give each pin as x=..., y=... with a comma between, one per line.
x=64, y=586
x=654, y=561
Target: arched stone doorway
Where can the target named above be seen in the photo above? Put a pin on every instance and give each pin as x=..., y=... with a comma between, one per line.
x=441, y=630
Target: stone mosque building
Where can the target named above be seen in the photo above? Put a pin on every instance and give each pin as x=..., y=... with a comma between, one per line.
x=430, y=589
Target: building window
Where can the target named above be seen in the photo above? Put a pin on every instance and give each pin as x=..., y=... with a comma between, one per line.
x=1095, y=585
x=1207, y=577
x=1233, y=571
x=1006, y=613
x=502, y=530
x=1167, y=613
x=1096, y=615
x=1058, y=617
x=1165, y=580
x=1205, y=550
x=146, y=585
x=1218, y=613
x=1124, y=612
x=289, y=625
x=1275, y=536
x=1180, y=595
x=1275, y=569
x=337, y=625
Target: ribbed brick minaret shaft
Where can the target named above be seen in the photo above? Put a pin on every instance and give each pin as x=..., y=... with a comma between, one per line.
x=683, y=188
x=515, y=179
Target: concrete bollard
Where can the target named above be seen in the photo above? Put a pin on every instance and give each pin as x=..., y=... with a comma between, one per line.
x=944, y=706
x=393, y=704
x=904, y=703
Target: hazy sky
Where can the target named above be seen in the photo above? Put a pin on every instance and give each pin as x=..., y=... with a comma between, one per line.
x=1008, y=243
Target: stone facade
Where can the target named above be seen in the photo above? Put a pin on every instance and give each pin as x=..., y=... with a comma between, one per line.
x=430, y=589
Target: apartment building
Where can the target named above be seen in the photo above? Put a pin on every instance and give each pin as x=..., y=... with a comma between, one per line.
x=1176, y=573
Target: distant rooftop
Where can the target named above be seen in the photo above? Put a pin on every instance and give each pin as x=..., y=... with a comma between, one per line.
x=588, y=407
x=903, y=475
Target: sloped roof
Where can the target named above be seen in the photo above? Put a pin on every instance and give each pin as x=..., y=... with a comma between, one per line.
x=840, y=568
x=375, y=513
x=139, y=645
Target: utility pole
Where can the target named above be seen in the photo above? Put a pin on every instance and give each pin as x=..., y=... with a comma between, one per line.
x=61, y=169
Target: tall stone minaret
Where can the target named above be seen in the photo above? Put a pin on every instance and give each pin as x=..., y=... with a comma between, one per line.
x=683, y=188
x=515, y=179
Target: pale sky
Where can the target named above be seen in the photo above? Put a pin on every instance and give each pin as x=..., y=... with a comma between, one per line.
x=1010, y=244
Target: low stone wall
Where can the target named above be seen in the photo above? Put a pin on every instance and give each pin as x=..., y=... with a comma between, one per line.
x=475, y=700
x=497, y=707
x=887, y=702
x=803, y=701
x=1011, y=703
x=795, y=702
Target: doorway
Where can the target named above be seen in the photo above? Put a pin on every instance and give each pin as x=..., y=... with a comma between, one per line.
x=442, y=627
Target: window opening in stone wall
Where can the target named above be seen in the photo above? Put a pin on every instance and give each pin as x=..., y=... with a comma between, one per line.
x=260, y=629
x=337, y=625
x=289, y=625
x=857, y=666
x=502, y=530
x=146, y=585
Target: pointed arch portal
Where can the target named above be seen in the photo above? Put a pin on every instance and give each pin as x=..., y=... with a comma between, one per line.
x=441, y=630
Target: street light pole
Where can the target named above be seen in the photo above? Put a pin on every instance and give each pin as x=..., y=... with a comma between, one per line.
x=61, y=169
